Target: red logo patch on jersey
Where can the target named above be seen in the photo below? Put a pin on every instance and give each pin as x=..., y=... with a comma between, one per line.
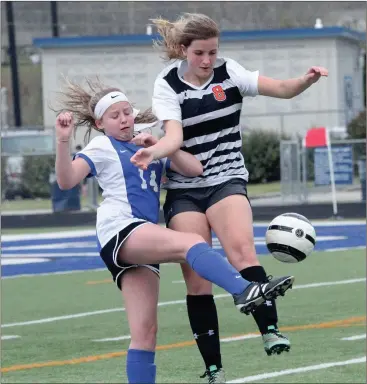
x=219, y=93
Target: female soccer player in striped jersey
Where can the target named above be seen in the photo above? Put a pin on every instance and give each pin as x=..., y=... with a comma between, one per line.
x=199, y=97
x=130, y=242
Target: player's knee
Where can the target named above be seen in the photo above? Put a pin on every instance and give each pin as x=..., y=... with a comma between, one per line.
x=195, y=285
x=242, y=253
x=145, y=336
x=198, y=286
x=192, y=239
x=187, y=241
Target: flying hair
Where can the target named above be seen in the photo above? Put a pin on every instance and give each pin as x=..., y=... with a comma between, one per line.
x=81, y=102
x=188, y=27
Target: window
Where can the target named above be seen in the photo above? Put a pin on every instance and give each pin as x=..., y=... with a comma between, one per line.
x=27, y=144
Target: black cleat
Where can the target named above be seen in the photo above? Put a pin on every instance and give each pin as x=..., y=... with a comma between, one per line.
x=256, y=293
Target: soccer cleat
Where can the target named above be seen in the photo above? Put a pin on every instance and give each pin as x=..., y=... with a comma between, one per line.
x=275, y=342
x=256, y=293
x=215, y=375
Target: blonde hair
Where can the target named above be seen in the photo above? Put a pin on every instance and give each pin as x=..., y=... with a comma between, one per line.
x=82, y=102
x=189, y=27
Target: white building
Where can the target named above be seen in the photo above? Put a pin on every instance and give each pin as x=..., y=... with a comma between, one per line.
x=130, y=62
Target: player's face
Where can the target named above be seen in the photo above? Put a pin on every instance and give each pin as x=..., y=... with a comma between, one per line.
x=201, y=56
x=118, y=121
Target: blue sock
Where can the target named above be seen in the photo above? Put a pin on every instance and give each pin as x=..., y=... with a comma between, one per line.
x=140, y=367
x=210, y=265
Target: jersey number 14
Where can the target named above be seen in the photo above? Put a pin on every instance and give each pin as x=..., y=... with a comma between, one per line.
x=152, y=180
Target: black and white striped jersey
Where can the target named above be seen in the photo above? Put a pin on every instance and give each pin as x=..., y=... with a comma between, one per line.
x=210, y=117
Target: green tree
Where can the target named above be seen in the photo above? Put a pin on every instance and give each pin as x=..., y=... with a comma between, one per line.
x=357, y=127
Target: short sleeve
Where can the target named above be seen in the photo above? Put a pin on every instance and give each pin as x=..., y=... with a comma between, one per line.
x=94, y=154
x=245, y=80
x=165, y=103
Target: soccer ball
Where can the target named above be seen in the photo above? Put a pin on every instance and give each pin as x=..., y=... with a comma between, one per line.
x=290, y=238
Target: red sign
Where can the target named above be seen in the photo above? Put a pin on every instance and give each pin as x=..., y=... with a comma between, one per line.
x=316, y=137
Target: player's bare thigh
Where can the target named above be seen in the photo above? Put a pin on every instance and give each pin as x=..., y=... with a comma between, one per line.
x=152, y=244
x=231, y=220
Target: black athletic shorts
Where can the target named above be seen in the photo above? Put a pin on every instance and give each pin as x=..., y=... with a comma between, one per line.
x=200, y=199
x=109, y=254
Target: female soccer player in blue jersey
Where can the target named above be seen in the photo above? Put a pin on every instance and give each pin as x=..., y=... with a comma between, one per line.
x=131, y=243
x=199, y=97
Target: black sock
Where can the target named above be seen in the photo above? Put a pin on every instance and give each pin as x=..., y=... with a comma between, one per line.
x=266, y=313
x=204, y=324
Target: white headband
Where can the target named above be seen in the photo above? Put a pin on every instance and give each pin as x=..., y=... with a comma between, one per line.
x=108, y=100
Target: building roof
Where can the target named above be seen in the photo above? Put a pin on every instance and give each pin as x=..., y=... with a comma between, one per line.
x=271, y=34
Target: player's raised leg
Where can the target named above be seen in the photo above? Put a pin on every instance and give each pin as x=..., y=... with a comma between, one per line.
x=150, y=244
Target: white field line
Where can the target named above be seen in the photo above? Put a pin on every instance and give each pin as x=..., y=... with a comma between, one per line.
x=356, y=337
x=92, y=232
x=312, y=285
x=67, y=272
x=216, y=245
x=9, y=337
x=22, y=260
x=49, y=235
x=127, y=337
x=261, y=240
x=238, y=338
x=268, y=375
x=224, y=340
x=321, y=223
x=55, y=273
x=161, y=304
x=73, y=245
x=344, y=248
x=51, y=255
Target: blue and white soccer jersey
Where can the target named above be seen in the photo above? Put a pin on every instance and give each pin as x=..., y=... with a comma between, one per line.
x=130, y=195
x=210, y=116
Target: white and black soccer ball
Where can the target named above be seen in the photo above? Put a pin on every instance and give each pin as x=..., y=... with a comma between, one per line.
x=290, y=237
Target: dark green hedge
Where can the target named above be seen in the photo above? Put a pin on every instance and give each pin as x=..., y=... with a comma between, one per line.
x=261, y=151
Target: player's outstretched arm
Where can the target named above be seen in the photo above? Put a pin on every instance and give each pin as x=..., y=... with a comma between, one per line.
x=170, y=142
x=186, y=164
x=164, y=147
x=286, y=89
x=181, y=162
x=68, y=173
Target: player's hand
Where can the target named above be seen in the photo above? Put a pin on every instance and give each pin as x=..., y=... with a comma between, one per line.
x=142, y=158
x=314, y=73
x=144, y=139
x=64, y=126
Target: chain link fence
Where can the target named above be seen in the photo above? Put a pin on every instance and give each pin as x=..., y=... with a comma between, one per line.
x=28, y=176
x=305, y=173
